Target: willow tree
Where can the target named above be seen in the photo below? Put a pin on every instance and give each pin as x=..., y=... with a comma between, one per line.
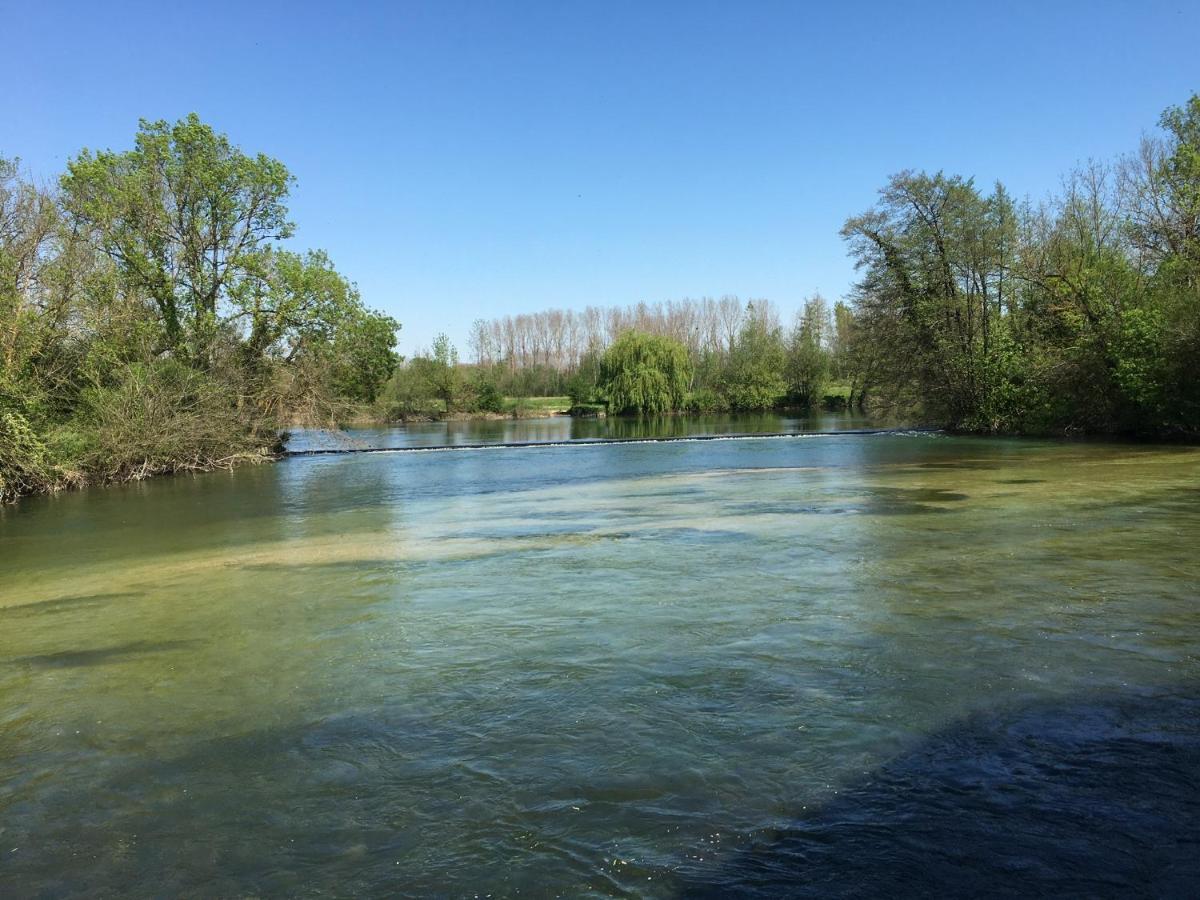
x=645, y=374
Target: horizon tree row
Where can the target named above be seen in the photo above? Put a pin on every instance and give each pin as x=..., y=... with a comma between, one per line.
x=738, y=357
x=1078, y=314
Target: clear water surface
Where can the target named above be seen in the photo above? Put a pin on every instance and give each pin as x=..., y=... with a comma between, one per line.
x=818, y=665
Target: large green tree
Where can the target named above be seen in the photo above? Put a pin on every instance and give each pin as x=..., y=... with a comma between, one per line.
x=152, y=320
x=189, y=219
x=935, y=252
x=808, y=357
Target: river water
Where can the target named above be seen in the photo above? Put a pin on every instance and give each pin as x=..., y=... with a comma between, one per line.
x=555, y=429
x=826, y=665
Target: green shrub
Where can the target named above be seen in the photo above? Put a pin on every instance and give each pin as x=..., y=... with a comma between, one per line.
x=25, y=466
x=706, y=400
x=164, y=417
x=487, y=394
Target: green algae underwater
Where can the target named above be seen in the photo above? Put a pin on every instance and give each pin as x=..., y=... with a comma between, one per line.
x=809, y=666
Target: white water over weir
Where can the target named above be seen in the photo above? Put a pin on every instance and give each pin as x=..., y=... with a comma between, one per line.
x=591, y=442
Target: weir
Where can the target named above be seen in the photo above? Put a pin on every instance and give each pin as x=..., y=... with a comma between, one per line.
x=592, y=442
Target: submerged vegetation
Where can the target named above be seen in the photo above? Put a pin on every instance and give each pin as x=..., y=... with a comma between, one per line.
x=153, y=320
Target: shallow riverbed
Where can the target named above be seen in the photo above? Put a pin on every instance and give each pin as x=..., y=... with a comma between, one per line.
x=840, y=664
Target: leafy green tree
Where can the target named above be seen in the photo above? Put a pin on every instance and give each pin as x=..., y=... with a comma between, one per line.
x=808, y=359
x=187, y=218
x=32, y=317
x=363, y=354
x=1161, y=189
x=482, y=388
x=583, y=385
x=189, y=222
x=443, y=374
x=754, y=372
x=645, y=374
x=930, y=300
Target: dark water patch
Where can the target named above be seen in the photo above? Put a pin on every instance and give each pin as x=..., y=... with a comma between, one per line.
x=696, y=536
x=671, y=493
x=66, y=604
x=967, y=464
x=885, y=505
x=1162, y=502
x=919, y=495
x=1020, y=481
x=788, y=509
x=524, y=532
x=896, y=501
x=69, y=659
x=1095, y=798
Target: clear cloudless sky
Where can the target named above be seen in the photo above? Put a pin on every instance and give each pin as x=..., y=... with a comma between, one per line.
x=470, y=159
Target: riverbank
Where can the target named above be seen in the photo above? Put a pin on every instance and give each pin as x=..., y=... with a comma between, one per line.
x=131, y=442
x=537, y=424
x=37, y=475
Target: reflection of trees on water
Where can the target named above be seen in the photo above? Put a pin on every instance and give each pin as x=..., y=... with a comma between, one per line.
x=630, y=427
x=564, y=428
x=683, y=426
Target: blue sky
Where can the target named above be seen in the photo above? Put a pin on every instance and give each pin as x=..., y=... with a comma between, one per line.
x=470, y=159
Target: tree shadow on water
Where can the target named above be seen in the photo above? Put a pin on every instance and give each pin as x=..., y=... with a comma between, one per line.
x=1099, y=797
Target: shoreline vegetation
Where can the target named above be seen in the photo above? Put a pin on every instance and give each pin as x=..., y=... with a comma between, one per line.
x=152, y=320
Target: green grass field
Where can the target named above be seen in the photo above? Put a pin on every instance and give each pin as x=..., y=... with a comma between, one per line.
x=532, y=406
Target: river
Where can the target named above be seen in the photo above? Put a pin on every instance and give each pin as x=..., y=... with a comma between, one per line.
x=813, y=665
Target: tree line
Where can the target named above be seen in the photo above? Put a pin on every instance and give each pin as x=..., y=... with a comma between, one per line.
x=1078, y=314
x=151, y=319
x=739, y=357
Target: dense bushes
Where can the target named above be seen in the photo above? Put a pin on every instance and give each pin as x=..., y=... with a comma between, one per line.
x=164, y=416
